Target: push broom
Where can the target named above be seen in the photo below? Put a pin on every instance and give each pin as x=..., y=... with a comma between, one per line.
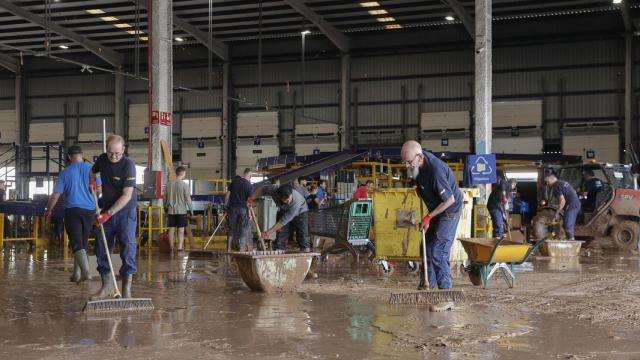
x=118, y=303
x=430, y=296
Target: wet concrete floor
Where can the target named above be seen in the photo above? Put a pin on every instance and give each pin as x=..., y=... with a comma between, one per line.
x=204, y=311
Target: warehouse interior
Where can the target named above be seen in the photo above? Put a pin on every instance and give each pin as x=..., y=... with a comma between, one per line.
x=323, y=99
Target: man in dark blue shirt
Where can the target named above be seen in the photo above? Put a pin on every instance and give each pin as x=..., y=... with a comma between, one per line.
x=497, y=202
x=592, y=185
x=236, y=199
x=567, y=201
x=437, y=187
x=119, y=218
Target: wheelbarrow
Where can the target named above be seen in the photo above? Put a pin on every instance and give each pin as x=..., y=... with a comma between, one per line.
x=487, y=256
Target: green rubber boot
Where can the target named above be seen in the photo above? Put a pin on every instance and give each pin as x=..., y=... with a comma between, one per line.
x=83, y=264
x=126, y=285
x=75, y=277
x=106, y=290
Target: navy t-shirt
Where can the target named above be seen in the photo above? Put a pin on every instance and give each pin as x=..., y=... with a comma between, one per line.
x=495, y=198
x=565, y=189
x=592, y=186
x=115, y=177
x=436, y=184
x=240, y=190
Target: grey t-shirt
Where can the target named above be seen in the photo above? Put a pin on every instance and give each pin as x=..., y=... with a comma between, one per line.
x=177, y=192
x=297, y=206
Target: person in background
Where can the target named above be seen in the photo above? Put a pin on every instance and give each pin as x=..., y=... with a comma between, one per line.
x=178, y=200
x=363, y=190
x=311, y=199
x=302, y=186
x=496, y=204
x=321, y=195
x=567, y=201
x=79, y=209
x=237, y=200
x=592, y=185
x=293, y=214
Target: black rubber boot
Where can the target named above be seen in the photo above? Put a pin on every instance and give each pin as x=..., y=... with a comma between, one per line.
x=106, y=290
x=126, y=285
x=75, y=277
x=83, y=264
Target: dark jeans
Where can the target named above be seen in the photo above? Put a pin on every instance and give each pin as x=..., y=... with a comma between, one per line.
x=569, y=223
x=240, y=228
x=122, y=224
x=440, y=236
x=498, y=222
x=78, y=223
x=300, y=224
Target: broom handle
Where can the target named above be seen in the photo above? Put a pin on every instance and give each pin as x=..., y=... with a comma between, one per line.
x=214, y=232
x=255, y=221
x=424, y=257
x=106, y=248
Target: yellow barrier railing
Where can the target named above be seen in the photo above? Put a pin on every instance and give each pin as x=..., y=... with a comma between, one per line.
x=150, y=227
x=211, y=186
x=37, y=233
x=481, y=222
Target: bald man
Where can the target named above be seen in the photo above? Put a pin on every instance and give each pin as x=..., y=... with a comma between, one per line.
x=437, y=187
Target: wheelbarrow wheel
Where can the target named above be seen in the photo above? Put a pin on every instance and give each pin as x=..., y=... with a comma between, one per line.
x=474, y=275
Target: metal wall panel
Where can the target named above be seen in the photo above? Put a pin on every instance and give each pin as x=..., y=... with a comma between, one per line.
x=85, y=83
x=288, y=71
x=7, y=88
x=587, y=106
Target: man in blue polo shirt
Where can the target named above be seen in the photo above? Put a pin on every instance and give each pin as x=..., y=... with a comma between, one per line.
x=118, y=205
x=567, y=201
x=79, y=209
x=437, y=187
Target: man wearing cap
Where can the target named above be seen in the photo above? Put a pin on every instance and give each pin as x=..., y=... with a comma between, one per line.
x=119, y=200
x=79, y=209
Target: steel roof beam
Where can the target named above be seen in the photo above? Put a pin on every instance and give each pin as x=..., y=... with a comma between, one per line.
x=215, y=45
x=110, y=56
x=340, y=40
x=463, y=15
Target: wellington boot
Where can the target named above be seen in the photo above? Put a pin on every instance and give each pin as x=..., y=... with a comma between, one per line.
x=75, y=277
x=126, y=285
x=83, y=263
x=106, y=290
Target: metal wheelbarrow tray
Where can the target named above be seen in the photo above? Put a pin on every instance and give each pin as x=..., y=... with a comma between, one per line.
x=487, y=256
x=273, y=271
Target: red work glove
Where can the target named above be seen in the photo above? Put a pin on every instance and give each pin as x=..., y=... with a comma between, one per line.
x=47, y=213
x=264, y=235
x=103, y=218
x=250, y=200
x=92, y=185
x=425, y=222
x=504, y=199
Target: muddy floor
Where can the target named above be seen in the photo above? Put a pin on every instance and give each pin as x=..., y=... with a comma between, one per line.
x=581, y=308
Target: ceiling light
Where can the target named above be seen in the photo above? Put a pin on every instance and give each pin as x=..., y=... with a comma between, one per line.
x=305, y=32
x=133, y=32
x=63, y=47
x=617, y=1
x=449, y=18
x=144, y=38
x=109, y=18
x=386, y=19
x=122, y=26
x=95, y=11
x=378, y=12
x=393, y=26
x=179, y=39
x=369, y=4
